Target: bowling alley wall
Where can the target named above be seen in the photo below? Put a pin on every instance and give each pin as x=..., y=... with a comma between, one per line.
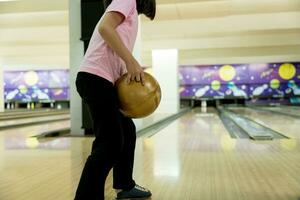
x=34, y=88
x=234, y=81
x=246, y=81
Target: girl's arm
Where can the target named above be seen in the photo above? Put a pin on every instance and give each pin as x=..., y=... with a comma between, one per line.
x=107, y=29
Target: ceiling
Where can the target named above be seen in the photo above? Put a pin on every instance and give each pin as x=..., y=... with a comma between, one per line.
x=35, y=32
x=225, y=31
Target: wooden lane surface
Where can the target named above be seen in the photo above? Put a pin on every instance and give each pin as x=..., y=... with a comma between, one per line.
x=194, y=158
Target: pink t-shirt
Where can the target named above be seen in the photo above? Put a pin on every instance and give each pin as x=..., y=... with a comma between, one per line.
x=99, y=58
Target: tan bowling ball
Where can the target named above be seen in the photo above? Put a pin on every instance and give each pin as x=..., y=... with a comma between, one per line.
x=137, y=100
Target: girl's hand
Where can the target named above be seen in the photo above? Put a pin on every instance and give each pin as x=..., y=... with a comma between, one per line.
x=135, y=72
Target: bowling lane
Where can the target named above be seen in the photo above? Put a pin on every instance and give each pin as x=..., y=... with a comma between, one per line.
x=27, y=111
x=193, y=158
x=284, y=110
x=293, y=107
x=13, y=115
x=26, y=121
x=288, y=126
x=28, y=163
x=34, y=130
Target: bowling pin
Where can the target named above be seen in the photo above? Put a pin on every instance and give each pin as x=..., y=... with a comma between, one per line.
x=279, y=92
x=238, y=93
x=294, y=87
x=296, y=91
x=12, y=94
x=259, y=90
x=203, y=106
x=201, y=91
x=42, y=95
x=221, y=93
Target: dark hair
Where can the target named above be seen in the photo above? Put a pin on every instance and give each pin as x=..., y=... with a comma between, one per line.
x=146, y=7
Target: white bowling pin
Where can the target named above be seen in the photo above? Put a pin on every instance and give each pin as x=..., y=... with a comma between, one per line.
x=200, y=92
x=239, y=93
x=296, y=91
x=259, y=90
x=42, y=95
x=12, y=94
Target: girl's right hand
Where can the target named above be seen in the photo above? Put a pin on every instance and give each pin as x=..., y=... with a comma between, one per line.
x=135, y=72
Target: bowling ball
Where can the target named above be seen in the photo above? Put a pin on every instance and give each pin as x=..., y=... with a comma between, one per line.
x=137, y=100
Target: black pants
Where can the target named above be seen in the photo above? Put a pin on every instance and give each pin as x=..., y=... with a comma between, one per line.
x=114, y=144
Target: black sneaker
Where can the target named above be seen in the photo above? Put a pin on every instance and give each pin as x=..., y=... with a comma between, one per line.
x=137, y=192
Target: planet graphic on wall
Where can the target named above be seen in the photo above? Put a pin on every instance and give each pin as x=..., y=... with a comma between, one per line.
x=31, y=78
x=23, y=89
x=227, y=72
x=215, y=85
x=275, y=83
x=287, y=71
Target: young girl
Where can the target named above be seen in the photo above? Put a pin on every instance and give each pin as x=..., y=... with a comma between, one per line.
x=108, y=57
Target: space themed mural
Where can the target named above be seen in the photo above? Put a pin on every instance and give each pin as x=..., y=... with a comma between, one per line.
x=28, y=86
x=240, y=80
